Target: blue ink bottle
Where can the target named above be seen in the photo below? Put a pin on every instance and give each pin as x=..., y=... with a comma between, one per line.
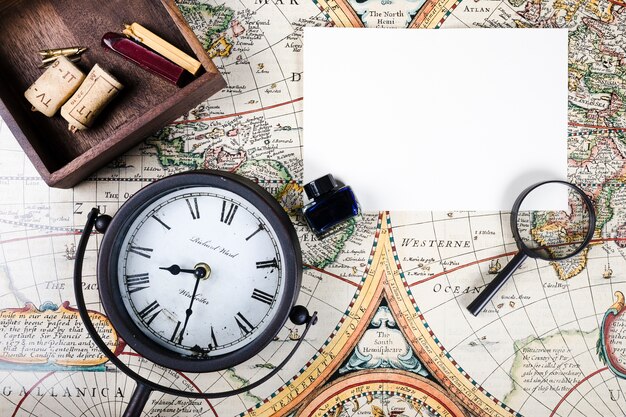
x=331, y=206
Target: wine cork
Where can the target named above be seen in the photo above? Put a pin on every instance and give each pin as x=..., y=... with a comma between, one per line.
x=54, y=87
x=92, y=97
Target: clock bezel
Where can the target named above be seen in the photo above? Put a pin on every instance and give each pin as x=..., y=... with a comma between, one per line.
x=110, y=248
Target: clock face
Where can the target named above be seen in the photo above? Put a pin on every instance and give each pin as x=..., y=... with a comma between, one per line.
x=200, y=271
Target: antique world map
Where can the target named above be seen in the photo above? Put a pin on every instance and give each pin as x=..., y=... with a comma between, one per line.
x=394, y=337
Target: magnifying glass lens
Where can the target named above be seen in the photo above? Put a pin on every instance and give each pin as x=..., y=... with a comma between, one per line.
x=557, y=233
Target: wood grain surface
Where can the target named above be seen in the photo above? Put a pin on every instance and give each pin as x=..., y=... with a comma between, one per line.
x=146, y=104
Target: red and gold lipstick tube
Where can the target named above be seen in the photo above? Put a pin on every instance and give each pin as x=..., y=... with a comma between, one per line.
x=146, y=58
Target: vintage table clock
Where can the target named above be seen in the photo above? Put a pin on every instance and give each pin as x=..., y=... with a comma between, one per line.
x=197, y=272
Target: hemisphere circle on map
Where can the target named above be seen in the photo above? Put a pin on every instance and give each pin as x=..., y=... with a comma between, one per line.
x=381, y=393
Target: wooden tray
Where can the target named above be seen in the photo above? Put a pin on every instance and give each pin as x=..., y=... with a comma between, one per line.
x=145, y=105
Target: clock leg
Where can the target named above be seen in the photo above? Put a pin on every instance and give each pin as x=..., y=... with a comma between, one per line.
x=138, y=401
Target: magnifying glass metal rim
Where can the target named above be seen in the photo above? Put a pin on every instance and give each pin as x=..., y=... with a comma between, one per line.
x=515, y=211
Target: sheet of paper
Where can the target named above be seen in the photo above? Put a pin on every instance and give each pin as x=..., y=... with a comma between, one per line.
x=458, y=119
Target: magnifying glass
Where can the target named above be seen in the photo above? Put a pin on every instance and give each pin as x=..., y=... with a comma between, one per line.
x=544, y=234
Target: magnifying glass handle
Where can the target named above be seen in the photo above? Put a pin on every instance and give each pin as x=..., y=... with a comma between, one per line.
x=494, y=286
x=138, y=400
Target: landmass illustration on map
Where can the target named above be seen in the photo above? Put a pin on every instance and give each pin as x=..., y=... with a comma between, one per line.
x=394, y=337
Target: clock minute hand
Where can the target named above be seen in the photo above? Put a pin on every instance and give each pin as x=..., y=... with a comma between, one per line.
x=202, y=271
x=189, y=310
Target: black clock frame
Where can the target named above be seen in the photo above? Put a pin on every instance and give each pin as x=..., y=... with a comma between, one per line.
x=110, y=248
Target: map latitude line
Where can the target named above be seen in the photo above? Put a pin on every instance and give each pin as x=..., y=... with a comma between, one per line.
x=18, y=405
x=330, y=274
x=579, y=383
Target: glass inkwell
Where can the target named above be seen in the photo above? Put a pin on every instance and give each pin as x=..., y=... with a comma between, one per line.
x=331, y=206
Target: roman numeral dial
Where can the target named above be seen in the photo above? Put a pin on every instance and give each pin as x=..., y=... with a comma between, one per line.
x=150, y=312
x=161, y=222
x=176, y=335
x=228, y=212
x=262, y=296
x=244, y=325
x=267, y=264
x=192, y=204
x=137, y=282
x=213, y=345
x=261, y=227
x=141, y=251
x=236, y=246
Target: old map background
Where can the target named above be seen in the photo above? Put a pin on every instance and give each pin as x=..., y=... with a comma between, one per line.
x=391, y=291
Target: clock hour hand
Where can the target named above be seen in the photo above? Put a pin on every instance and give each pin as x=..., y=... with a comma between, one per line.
x=175, y=270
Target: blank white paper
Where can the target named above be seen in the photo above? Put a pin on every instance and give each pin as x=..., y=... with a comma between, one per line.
x=455, y=119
